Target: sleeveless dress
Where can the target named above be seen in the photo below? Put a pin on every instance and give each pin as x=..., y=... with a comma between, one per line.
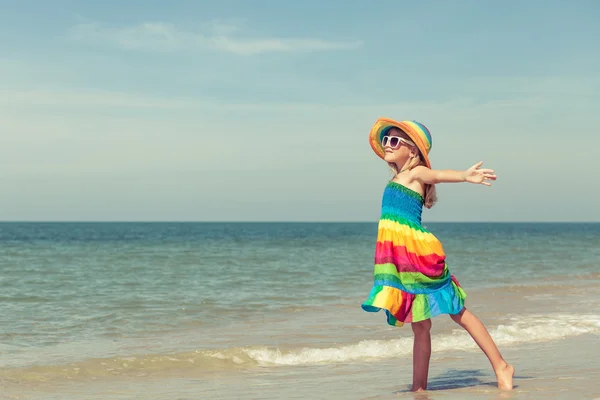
x=412, y=281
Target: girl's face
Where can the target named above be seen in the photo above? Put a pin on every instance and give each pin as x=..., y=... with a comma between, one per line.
x=397, y=146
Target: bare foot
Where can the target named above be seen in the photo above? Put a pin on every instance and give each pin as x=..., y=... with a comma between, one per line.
x=418, y=389
x=505, y=377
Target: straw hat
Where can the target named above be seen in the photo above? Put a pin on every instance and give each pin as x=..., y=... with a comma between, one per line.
x=416, y=131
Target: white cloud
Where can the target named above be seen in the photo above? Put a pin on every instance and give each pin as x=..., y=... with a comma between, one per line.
x=224, y=27
x=162, y=37
x=79, y=99
x=89, y=98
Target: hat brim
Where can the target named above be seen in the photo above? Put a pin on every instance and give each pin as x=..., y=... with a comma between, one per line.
x=380, y=128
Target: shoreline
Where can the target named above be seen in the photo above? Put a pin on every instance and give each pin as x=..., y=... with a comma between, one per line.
x=563, y=369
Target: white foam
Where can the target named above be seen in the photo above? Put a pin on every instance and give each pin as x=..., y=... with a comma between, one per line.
x=518, y=330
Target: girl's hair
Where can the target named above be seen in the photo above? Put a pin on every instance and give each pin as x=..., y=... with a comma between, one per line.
x=430, y=195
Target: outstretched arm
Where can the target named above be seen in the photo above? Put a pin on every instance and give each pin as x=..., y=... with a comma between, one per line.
x=471, y=175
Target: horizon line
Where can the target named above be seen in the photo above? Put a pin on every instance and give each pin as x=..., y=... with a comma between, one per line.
x=291, y=221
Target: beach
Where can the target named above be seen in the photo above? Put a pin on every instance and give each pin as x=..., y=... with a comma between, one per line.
x=272, y=311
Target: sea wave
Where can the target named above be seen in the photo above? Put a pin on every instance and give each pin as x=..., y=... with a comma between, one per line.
x=516, y=331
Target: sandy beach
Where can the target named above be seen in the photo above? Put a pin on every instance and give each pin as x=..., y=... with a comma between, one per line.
x=554, y=359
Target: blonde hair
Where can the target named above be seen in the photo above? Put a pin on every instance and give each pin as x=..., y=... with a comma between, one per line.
x=430, y=195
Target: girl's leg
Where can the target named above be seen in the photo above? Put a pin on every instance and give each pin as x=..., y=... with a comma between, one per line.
x=421, y=354
x=479, y=333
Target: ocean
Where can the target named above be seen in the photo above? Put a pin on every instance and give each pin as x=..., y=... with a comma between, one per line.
x=272, y=310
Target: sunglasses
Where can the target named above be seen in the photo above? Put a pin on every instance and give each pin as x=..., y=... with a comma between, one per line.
x=395, y=141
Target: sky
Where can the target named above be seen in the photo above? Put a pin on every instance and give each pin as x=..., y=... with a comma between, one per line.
x=260, y=110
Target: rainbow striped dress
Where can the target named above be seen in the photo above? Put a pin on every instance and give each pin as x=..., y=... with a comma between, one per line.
x=412, y=281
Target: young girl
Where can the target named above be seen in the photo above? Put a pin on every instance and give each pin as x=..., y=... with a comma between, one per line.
x=412, y=280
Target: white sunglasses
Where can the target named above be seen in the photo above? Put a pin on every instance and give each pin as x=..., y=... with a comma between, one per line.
x=395, y=141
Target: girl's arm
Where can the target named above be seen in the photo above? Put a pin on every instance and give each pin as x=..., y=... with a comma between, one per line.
x=473, y=175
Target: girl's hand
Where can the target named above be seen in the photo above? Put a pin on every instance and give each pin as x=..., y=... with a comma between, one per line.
x=480, y=176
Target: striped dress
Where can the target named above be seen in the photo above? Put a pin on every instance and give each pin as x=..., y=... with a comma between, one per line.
x=412, y=281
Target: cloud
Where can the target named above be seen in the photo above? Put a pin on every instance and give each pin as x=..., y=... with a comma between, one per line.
x=95, y=98
x=162, y=37
x=70, y=99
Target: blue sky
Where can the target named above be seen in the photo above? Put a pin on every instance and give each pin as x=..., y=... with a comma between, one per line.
x=204, y=111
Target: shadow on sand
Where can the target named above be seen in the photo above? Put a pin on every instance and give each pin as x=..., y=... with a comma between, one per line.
x=457, y=379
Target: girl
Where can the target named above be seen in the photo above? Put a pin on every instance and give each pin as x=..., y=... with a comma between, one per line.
x=412, y=281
